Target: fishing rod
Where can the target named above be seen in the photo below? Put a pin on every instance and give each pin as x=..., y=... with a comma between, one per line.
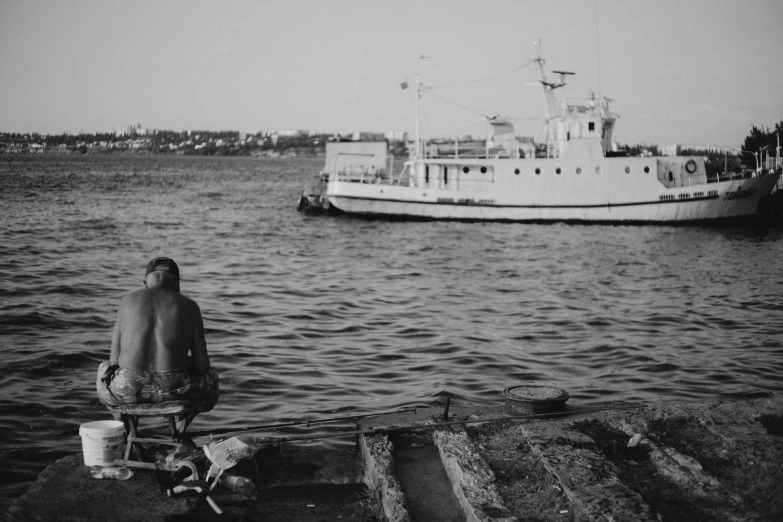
x=389, y=429
x=261, y=427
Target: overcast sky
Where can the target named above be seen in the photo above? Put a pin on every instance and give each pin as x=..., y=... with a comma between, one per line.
x=684, y=71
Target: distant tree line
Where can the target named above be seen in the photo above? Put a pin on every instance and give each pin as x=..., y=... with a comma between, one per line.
x=758, y=139
x=228, y=143
x=758, y=145
x=195, y=142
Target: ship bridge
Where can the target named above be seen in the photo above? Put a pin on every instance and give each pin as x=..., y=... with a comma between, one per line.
x=580, y=119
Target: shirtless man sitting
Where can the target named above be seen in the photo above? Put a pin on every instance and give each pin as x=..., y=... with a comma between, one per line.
x=158, y=351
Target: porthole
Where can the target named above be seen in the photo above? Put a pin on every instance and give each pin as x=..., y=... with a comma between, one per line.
x=646, y=170
x=516, y=171
x=465, y=169
x=538, y=171
x=483, y=170
x=598, y=170
x=578, y=170
x=627, y=170
x=557, y=170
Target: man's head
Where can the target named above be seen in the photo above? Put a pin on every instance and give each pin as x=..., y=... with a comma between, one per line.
x=162, y=271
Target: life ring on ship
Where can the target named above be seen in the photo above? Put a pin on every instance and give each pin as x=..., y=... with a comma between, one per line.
x=690, y=166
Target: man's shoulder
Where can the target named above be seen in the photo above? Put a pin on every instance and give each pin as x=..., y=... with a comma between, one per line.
x=133, y=301
x=186, y=299
x=145, y=295
x=133, y=296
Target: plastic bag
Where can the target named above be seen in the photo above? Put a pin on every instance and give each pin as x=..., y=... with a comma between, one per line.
x=226, y=454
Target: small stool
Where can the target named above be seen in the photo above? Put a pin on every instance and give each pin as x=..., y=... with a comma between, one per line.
x=178, y=413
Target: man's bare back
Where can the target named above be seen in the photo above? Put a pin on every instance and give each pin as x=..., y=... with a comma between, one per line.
x=158, y=351
x=157, y=327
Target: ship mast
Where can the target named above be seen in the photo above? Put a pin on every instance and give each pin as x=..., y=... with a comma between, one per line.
x=598, y=53
x=550, y=99
x=417, y=103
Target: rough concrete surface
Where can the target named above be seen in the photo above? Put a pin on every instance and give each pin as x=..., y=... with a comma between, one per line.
x=693, y=461
x=473, y=482
x=427, y=489
x=378, y=455
x=293, y=484
x=720, y=461
x=66, y=491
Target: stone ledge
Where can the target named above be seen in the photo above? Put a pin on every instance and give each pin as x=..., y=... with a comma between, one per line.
x=65, y=491
x=378, y=455
x=472, y=480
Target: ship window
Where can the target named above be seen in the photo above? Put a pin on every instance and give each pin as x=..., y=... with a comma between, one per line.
x=483, y=170
x=578, y=170
x=538, y=171
x=646, y=170
x=598, y=170
x=591, y=126
x=465, y=169
x=516, y=171
x=426, y=174
x=558, y=171
x=627, y=170
x=446, y=176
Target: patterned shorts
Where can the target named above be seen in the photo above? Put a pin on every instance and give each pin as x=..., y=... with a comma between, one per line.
x=122, y=387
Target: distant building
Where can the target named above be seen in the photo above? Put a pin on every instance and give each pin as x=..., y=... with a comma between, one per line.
x=367, y=136
x=393, y=136
x=669, y=149
x=292, y=133
x=122, y=130
x=673, y=149
x=131, y=130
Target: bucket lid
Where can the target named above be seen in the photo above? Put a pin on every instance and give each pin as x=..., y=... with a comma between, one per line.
x=535, y=393
x=101, y=426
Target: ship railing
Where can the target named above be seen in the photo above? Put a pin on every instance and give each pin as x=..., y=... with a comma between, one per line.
x=474, y=185
x=471, y=150
x=363, y=173
x=728, y=176
x=575, y=107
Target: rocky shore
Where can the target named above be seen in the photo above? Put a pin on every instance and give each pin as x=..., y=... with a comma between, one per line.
x=663, y=461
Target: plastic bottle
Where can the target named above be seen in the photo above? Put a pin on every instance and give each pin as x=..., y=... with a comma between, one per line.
x=237, y=484
x=111, y=472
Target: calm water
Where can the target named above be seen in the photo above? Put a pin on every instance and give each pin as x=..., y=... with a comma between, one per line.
x=309, y=317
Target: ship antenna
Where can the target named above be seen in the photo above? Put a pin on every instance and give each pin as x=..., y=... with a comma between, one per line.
x=419, y=89
x=417, y=149
x=598, y=51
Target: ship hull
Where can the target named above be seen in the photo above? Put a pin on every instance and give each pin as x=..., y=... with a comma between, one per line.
x=607, y=202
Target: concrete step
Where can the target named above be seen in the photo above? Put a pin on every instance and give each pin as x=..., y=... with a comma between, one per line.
x=687, y=461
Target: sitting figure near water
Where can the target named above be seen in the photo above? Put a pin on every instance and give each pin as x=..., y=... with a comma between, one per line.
x=158, y=350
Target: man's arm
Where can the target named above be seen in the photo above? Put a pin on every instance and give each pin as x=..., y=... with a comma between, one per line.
x=115, y=339
x=199, y=358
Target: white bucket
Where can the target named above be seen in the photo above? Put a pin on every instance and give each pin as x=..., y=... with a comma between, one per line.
x=102, y=442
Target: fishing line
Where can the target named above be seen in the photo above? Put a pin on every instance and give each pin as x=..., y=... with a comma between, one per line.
x=475, y=111
x=483, y=120
x=389, y=429
x=262, y=427
x=492, y=77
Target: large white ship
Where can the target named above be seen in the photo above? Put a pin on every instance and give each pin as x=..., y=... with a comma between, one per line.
x=569, y=176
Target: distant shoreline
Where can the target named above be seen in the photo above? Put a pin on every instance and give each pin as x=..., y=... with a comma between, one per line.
x=200, y=143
